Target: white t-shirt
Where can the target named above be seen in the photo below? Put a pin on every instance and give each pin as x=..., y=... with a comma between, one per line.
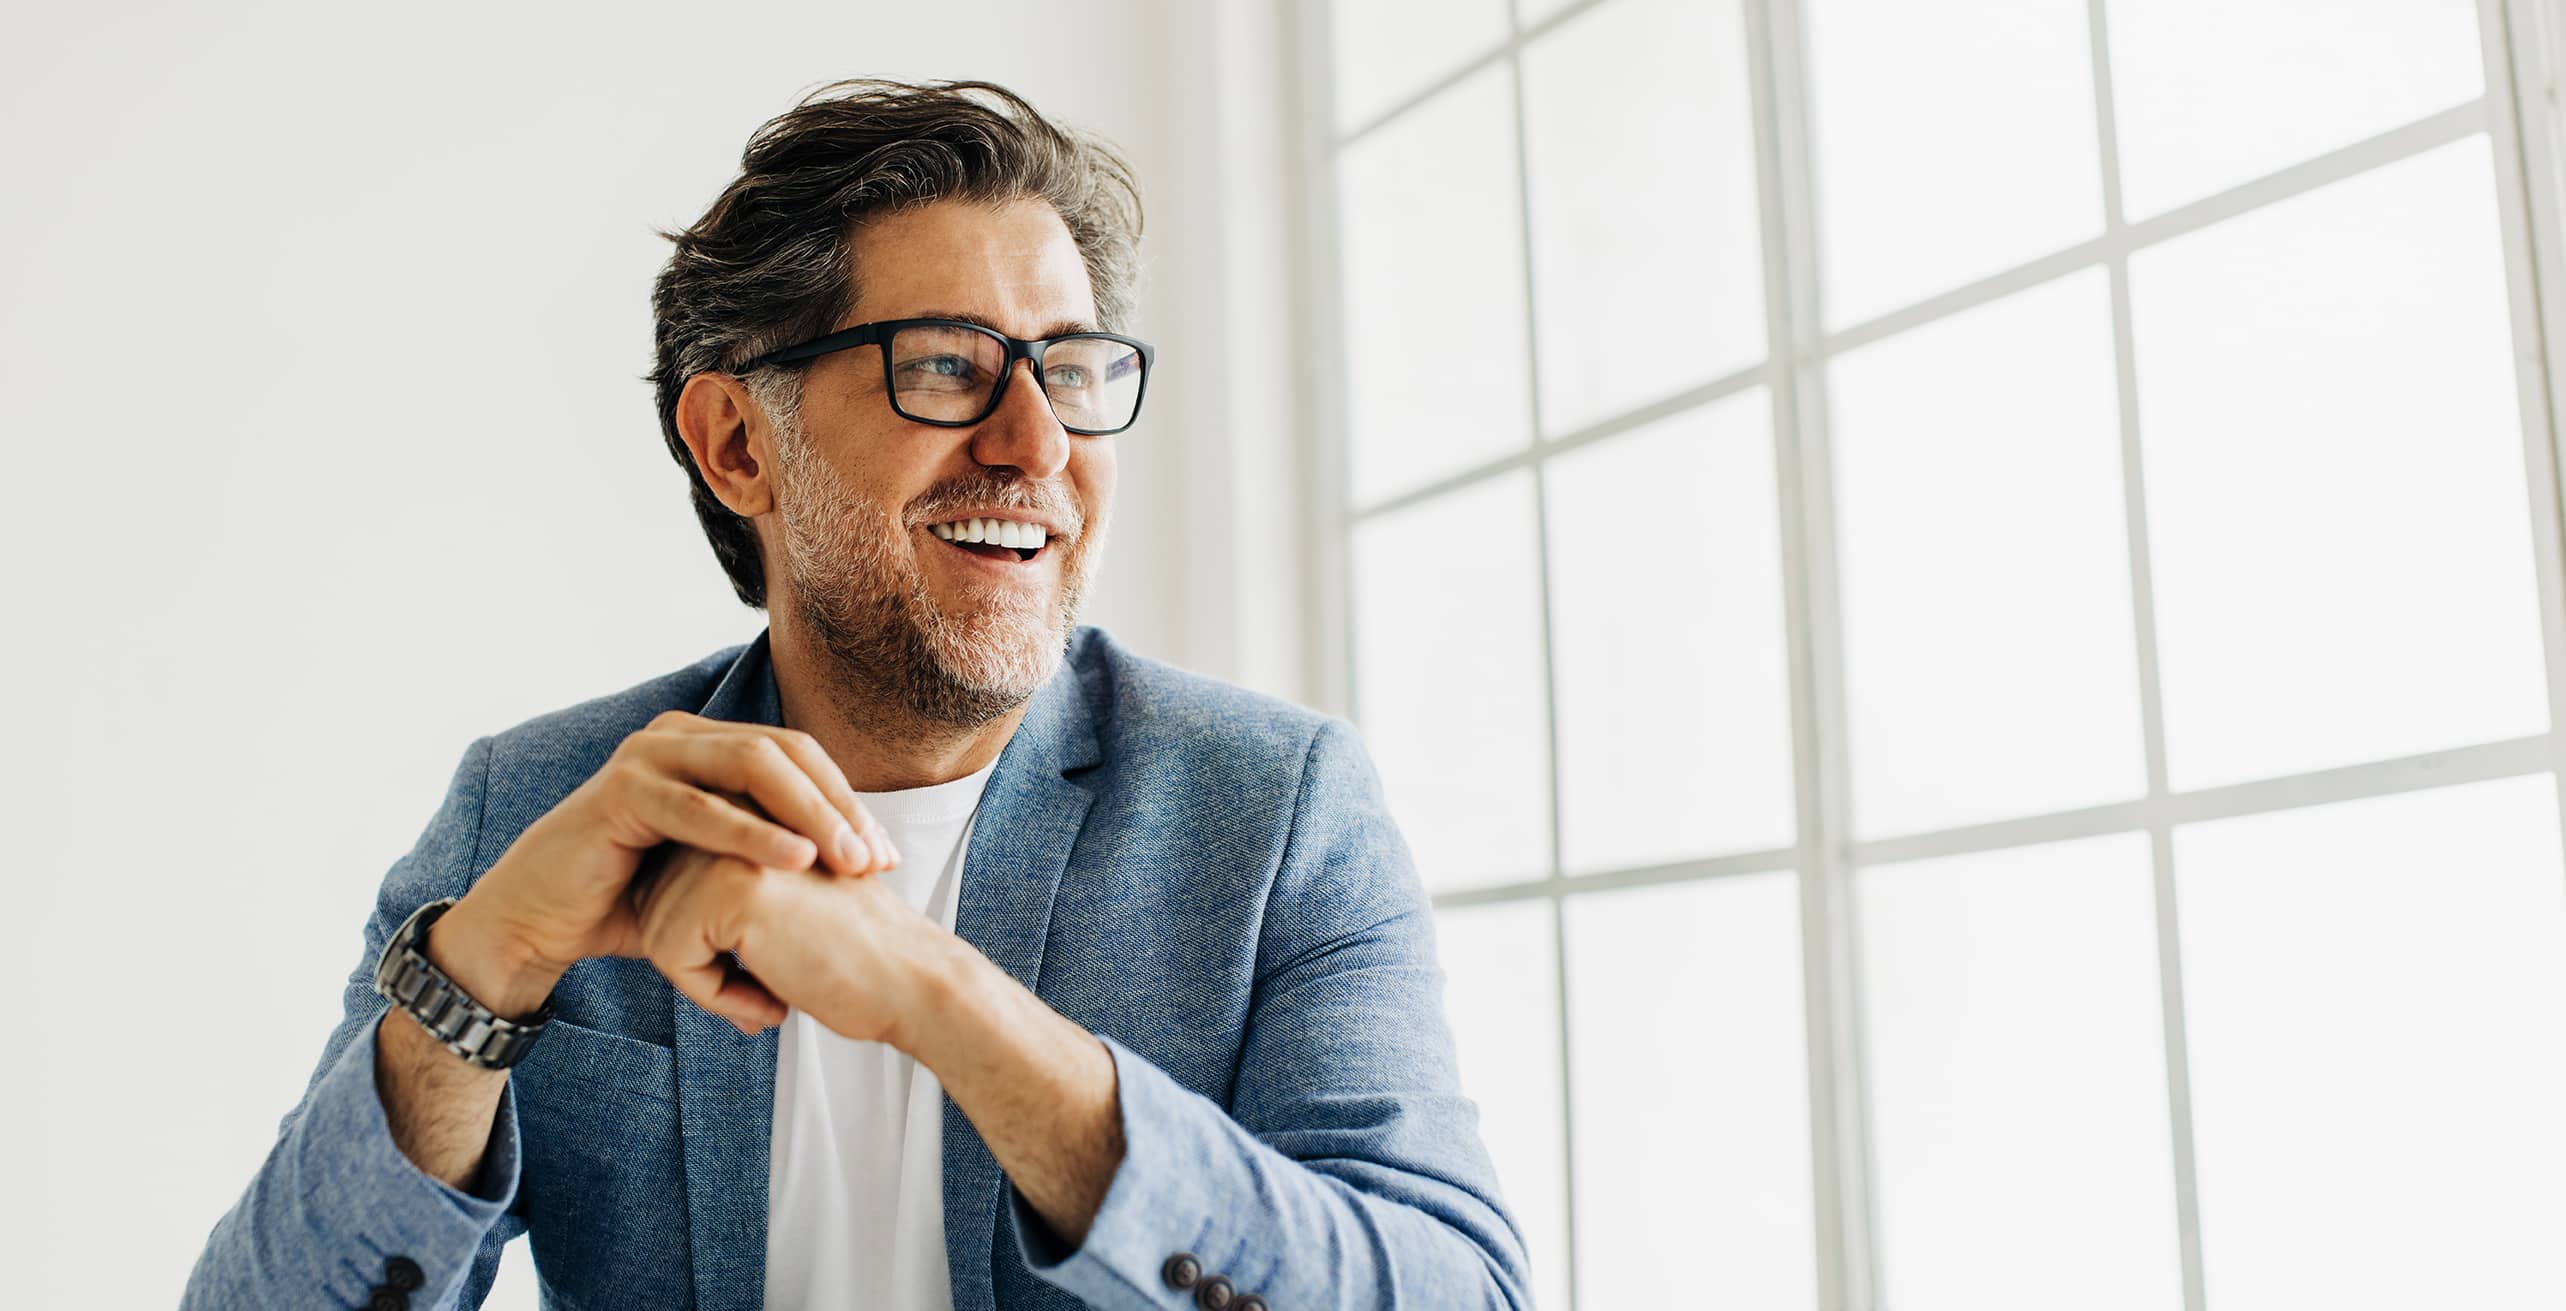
x=855, y=1179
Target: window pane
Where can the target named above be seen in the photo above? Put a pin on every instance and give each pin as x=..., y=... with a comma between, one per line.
x=1447, y=669
x=1951, y=142
x=1674, y=681
x=2016, y=1046
x=2370, y=992
x=2212, y=93
x=1646, y=256
x=1689, y=1064
x=1501, y=991
x=1990, y=661
x=2336, y=503
x=1386, y=53
x=1434, y=298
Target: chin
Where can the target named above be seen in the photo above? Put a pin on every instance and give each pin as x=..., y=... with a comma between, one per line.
x=999, y=657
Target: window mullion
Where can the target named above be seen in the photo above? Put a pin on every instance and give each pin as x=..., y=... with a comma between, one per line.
x=2524, y=47
x=2169, y=957
x=1838, y=1115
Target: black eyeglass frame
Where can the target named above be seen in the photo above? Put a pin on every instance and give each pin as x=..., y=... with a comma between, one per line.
x=880, y=331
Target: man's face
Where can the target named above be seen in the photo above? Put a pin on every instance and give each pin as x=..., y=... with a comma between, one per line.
x=959, y=635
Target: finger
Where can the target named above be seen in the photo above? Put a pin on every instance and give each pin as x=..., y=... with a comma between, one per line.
x=879, y=854
x=715, y=824
x=683, y=934
x=872, y=850
x=886, y=854
x=744, y=991
x=746, y=1004
x=758, y=764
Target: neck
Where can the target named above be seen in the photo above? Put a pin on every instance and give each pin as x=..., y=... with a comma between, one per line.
x=878, y=742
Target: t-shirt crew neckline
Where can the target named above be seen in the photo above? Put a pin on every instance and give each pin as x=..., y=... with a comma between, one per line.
x=934, y=803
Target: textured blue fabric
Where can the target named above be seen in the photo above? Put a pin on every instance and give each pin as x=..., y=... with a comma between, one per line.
x=1206, y=877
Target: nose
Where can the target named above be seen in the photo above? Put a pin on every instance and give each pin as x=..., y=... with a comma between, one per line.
x=1022, y=431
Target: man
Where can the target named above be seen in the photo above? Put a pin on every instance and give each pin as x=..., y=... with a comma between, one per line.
x=930, y=949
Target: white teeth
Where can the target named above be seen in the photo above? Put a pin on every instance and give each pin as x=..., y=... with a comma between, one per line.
x=999, y=532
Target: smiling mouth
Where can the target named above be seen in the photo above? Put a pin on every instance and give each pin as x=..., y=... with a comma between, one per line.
x=993, y=552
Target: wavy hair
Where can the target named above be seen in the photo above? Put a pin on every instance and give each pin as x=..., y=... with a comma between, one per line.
x=768, y=264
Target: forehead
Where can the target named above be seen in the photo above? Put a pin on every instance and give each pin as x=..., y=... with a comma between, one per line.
x=1012, y=266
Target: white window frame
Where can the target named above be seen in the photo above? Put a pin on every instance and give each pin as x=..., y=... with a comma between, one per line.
x=2523, y=109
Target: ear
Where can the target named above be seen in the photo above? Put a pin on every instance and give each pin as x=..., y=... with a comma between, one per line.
x=734, y=446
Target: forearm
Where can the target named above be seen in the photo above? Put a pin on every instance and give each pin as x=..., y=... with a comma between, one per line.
x=346, y=1187
x=1038, y=1087
x=439, y=1107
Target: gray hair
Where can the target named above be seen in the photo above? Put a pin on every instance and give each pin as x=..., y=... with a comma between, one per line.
x=767, y=265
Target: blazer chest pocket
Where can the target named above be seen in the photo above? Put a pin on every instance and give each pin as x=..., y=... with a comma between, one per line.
x=600, y=1189
x=570, y=1062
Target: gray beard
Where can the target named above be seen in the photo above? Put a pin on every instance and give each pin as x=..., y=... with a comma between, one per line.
x=887, y=640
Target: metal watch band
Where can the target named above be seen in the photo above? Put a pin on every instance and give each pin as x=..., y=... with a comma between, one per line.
x=405, y=977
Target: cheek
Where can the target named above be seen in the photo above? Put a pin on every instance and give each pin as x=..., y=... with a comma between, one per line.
x=1095, y=483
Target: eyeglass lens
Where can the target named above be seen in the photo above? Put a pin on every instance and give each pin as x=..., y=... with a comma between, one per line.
x=948, y=374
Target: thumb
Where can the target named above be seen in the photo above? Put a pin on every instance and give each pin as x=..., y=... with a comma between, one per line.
x=721, y=986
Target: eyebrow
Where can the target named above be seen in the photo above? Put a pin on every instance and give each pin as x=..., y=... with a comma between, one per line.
x=1060, y=328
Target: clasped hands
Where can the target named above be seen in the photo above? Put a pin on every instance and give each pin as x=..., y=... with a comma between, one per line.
x=848, y=950
x=736, y=859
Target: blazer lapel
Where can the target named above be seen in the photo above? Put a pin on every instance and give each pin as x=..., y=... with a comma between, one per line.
x=1028, y=820
x=726, y=1083
x=1029, y=817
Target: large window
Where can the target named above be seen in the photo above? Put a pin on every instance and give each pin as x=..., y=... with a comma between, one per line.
x=1960, y=604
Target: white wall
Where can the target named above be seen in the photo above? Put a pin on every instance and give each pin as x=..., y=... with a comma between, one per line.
x=321, y=336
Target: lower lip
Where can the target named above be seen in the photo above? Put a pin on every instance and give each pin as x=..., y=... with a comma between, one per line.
x=1006, y=567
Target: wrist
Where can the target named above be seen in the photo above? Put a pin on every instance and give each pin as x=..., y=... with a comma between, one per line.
x=492, y=965
x=949, y=995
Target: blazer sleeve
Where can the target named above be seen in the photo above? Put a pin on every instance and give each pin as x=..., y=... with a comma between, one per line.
x=337, y=1209
x=1349, y=1169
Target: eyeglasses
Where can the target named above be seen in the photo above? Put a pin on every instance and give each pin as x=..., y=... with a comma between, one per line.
x=951, y=374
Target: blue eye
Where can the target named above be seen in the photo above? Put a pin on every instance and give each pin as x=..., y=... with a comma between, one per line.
x=1067, y=375
x=939, y=373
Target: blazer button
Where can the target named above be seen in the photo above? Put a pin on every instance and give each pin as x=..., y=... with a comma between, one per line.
x=1181, y=1270
x=1214, y=1293
x=402, y=1273
x=1248, y=1302
x=387, y=1299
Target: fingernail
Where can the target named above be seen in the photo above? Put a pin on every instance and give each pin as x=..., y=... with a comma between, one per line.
x=851, y=848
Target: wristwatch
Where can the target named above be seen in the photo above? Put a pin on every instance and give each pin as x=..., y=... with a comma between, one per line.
x=405, y=977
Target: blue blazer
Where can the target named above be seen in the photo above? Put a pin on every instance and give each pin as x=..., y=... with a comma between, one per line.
x=1206, y=877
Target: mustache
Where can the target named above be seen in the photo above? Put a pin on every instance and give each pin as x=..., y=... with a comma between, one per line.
x=948, y=503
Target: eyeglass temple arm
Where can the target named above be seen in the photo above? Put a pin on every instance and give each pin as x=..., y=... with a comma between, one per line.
x=863, y=334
